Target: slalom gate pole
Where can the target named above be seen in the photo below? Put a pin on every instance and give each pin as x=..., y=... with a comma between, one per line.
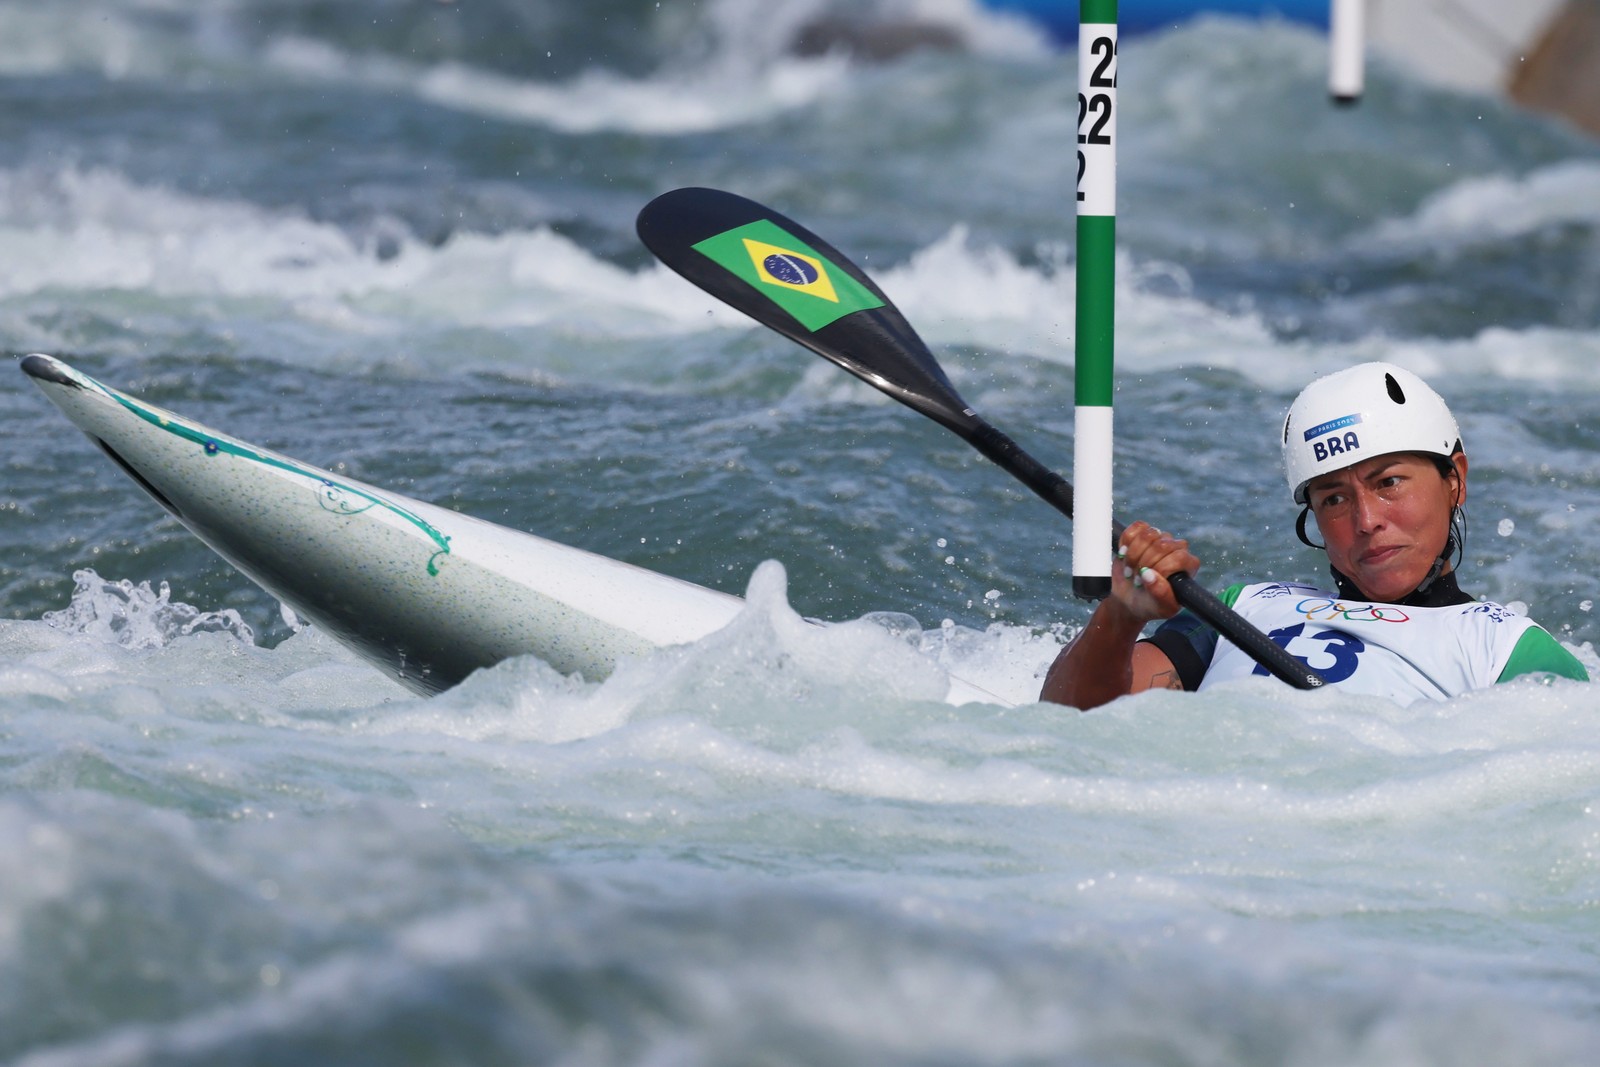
x=1346, y=45
x=1097, y=246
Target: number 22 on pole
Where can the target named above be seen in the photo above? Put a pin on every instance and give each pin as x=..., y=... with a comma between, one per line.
x=1097, y=242
x=1097, y=102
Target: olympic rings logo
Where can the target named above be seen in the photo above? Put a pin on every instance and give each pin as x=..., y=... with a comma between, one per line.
x=1325, y=609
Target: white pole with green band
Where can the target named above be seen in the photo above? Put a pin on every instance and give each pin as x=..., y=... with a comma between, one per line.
x=1097, y=246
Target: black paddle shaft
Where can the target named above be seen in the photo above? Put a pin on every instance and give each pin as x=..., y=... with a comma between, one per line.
x=689, y=230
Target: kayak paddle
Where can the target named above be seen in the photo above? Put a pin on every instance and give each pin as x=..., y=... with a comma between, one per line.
x=787, y=278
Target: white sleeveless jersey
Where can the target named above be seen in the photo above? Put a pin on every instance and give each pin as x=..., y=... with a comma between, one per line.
x=1401, y=652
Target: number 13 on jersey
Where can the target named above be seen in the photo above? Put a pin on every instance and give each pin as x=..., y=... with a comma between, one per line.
x=1097, y=119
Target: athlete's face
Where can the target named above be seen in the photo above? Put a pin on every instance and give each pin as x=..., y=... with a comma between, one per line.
x=1386, y=519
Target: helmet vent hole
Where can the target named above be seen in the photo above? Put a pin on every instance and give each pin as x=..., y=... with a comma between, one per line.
x=1395, y=392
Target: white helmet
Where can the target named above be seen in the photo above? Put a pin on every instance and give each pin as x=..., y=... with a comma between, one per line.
x=1352, y=415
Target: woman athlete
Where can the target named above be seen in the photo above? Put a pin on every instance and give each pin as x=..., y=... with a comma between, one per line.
x=1374, y=456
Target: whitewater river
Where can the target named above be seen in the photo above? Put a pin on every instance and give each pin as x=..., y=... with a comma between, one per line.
x=396, y=240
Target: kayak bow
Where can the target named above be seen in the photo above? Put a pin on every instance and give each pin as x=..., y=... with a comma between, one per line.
x=425, y=594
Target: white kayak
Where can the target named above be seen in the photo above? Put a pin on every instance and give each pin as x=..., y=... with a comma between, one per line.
x=425, y=594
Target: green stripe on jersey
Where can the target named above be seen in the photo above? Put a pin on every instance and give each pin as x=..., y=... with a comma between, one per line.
x=1539, y=653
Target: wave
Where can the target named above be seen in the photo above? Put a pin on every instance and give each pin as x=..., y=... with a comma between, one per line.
x=751, y=69
x=45, y=39
x=96, y=232
x=753, y=838
x=594, y=101
x=106, y=240
x=731, y=63
x=1490, y=209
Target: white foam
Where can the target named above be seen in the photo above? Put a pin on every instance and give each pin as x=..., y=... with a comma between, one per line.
x=954, y=291
x=768, y=654
x=95, y=231
x=693, y=101
x=130, y=646
x=1491, y=209
x=867, y=828
x=40, y=39
x=958, y=292
x=137, y=616
x=749, y=75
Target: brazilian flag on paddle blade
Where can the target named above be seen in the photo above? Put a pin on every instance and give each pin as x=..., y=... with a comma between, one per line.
x=789, y=272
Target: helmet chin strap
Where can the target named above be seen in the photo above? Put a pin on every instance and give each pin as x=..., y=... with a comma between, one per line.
x=1348, y=588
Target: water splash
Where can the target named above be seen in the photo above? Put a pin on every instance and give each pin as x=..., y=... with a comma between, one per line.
x=138, y=617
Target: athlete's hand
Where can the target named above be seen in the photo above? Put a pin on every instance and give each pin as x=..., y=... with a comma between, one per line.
x=1146, y=556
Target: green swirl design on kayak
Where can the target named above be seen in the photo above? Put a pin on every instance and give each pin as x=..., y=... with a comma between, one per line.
x=328, y=489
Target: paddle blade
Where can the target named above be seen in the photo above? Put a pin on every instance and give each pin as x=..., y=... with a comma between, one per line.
x=786, y=277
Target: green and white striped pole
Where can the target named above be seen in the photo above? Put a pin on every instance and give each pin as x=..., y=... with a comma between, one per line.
x=1097, y=246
